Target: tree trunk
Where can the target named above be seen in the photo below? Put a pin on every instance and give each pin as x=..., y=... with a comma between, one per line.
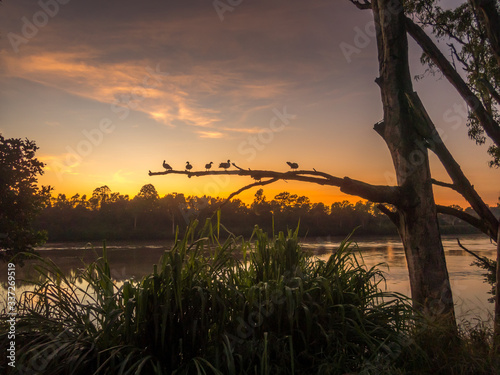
x=491, y=21
x=418, y=225
x=497, y=299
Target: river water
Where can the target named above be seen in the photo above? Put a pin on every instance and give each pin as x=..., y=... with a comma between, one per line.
x=134, y=260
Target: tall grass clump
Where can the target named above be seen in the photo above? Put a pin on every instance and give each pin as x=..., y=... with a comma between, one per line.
x=216, y=306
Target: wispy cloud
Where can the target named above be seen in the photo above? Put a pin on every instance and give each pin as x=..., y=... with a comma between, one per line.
x=122, y=177
x=61, y=164
x=175, y=99
x=52, y=124
x=210, y=134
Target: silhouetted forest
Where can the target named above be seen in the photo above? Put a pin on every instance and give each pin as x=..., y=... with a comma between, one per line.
x=111, y=215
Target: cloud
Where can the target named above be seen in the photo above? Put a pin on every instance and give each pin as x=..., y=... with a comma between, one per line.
x=66, y=163
x=131, y=86
x=210, y=134
x=52, y=123
x=222, y=77
x=121, y=177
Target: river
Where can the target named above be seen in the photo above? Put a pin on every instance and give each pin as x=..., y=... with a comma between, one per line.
x=135, y=259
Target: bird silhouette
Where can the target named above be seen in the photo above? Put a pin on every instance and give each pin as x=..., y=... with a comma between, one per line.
x=166, y=166
x=294, y=166
x=209, y=165
x=225, y=165
x=188, y=166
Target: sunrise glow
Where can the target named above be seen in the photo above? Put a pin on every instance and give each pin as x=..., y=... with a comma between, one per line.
x=108, y=93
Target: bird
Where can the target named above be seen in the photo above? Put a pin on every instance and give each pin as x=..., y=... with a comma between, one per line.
x=166, y=166
x=225, y=165
x=294, y=166
x=209, y=165
x=188, y=166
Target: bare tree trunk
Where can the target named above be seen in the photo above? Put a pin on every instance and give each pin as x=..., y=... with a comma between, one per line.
x=497, y=299
x=491, y=20
x=418, y=225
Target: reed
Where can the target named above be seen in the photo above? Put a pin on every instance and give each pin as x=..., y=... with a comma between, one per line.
x=217, y=306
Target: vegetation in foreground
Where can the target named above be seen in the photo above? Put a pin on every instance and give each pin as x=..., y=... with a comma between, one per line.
x=262, y=306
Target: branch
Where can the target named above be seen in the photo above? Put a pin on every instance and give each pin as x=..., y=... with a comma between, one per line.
x=393, y=216
x=373, y=193
x=464, y=216
x=362, y=5
x=462, y=185
x=483, y=260
x=490, y=89
x=444, y=184
x=259, y=183
x=489, y=125
x=455, y=54
x=491, y=21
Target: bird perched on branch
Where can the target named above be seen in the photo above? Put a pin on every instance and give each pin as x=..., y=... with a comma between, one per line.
x=225, y=165
x=166, y=166
x=188, y=166
x=294, y=166
x=209, y=165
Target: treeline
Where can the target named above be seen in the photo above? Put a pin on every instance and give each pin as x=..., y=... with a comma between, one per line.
x=113, y=216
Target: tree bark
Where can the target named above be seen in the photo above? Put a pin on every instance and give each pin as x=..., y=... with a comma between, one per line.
x=491, y=21
x=373, y=193
x=461, y=183
x=418, y=225
x=496, y=335
x=489, y=125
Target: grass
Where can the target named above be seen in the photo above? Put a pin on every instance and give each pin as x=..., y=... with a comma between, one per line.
x=212, y=306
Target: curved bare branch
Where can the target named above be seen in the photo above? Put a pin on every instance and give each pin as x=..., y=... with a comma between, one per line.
x=464, y=216
x=258, y=183
x=374, y=193
x=490, y=126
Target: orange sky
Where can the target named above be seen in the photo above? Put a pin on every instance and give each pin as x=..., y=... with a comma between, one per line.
x=108, y=90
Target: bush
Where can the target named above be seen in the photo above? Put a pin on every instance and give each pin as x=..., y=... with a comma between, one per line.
x=262, y=306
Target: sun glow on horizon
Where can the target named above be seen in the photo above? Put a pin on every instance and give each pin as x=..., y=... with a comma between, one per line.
x=109, y=102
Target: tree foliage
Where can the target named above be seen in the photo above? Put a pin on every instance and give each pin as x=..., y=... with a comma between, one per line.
x=20, y=197
x=149, y=216
x=464, y=30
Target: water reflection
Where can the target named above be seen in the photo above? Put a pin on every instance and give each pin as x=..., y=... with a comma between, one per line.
x=134, y=260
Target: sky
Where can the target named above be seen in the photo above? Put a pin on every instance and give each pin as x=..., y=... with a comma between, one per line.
x=110, y=89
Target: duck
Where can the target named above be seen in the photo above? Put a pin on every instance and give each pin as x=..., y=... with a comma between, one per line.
x=294, y=166
x=209, y=165
x=188, y=166
x=225, y=165
x=166, y=166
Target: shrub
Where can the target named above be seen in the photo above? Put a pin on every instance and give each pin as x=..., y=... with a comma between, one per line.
x=213, y=306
